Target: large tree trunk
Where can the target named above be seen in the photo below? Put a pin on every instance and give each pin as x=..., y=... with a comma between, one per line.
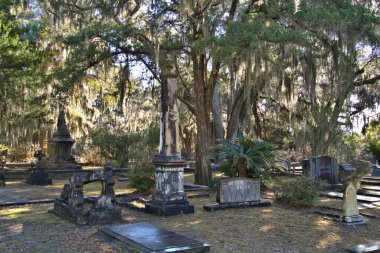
x=202, y=109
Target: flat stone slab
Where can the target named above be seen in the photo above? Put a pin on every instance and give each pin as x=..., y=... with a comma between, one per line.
x=373, y=188
x=370, y=181
x=368, y=247
x=195, y=187
x=27, y=202
x=217, y=206
x=339, y=195
x=372, y=177
x=369, y=193
x=145, y=237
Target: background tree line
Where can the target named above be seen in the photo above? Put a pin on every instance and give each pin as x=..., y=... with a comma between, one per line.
x=293, y=72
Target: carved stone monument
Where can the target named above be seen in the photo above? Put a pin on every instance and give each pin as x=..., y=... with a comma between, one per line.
x=324, y=168
x=100, y=210
x=169, y=197
x=350, y=206
x=59, y=148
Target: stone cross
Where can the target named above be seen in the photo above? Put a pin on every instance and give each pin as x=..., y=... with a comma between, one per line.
x=350, y=205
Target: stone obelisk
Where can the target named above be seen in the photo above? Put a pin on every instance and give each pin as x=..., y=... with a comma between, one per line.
x=169, y=197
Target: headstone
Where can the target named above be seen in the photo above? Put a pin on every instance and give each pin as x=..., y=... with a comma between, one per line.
x=324, y=168
x=345, y=170
x=375, y=171
x=233, y=190
x=3, y=161
x=237, y=193
x=350, y=205
x=145, y=237
x=2, y=181
x=169, y=197
x=71, y=204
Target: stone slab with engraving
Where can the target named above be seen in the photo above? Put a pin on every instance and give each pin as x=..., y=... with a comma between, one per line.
x=234, y=190
x=237, y=193
x=145, y=237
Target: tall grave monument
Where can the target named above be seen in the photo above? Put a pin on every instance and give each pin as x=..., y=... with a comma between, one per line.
x=59, y=148
x=169, y=197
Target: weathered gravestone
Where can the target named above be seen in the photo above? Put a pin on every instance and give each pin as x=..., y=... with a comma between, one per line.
x=145, y=237
x=169, y=197
x=345, y=170
x=100, y=210
x=233, y=190
x=2, y=181
x=375, y=171
x=350, y=206
x=3, y=162
x=324, y=168
x=237, y=192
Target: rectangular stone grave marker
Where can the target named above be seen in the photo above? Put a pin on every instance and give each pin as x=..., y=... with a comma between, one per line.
x=324, y=168
x=145, y=237
x=234, y=190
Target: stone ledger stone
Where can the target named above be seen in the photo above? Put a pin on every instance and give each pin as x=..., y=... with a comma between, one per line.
x=234, y=190
x=145, y=237
x=350, y=206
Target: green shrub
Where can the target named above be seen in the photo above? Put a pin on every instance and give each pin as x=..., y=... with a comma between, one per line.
x=374, y=146
x=142, y=176
x=299, y=191
x=258, y=158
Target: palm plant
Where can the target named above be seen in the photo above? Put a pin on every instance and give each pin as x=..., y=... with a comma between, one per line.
x=247, y=157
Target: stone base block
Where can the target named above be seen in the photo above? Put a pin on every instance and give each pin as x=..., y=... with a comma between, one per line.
x=180, y=207
x=217, y=206
x=92, y=217
x=353, y=219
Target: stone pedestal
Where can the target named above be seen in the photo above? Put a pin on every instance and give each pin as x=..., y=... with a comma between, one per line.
x=169, y=197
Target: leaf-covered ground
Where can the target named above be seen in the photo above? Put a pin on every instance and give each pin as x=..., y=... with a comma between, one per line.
x=278, y=228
